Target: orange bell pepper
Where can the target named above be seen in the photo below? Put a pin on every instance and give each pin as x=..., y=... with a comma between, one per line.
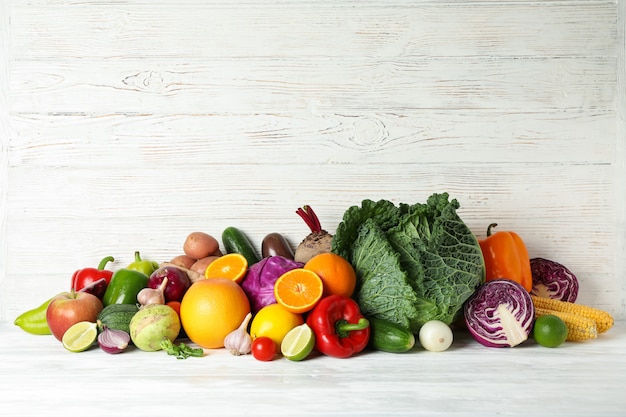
x=506, y=256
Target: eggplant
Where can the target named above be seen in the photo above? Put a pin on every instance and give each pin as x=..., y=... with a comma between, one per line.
x=275, y=244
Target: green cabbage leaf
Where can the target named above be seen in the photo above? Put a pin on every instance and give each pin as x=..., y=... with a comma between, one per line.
x=414, y=263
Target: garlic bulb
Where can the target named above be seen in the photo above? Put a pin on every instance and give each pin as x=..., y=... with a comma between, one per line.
x=149, y=296
x=239, y=342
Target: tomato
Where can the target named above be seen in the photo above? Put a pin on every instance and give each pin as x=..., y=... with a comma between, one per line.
x=175, y=305
x=263, y=348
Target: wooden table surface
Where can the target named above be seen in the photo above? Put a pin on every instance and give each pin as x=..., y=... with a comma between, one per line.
x=40, y=377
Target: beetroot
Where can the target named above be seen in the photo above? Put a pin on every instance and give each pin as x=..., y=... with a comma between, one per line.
x=316, y=242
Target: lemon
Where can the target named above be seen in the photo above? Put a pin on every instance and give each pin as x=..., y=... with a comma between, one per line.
x=80, y=336
x=298, y=343
x=549, y=331
x=274, y=321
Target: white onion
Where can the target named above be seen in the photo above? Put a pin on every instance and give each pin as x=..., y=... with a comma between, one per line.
x=435, y=336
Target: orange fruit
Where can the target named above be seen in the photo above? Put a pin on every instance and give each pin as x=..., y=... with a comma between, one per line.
x=212, y=308
x=232, y=266
x=298, y=290
x=337, y=274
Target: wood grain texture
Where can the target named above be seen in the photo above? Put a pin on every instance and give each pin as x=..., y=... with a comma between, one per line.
x=620, y=149
x=125, y=125
x=275, y=30
x=423, y=136
x=303, y=85
x=468, y=379
x=4, y=151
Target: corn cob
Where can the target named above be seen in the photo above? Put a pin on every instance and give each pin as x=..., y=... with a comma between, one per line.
x=578, y=327
x=604, y=320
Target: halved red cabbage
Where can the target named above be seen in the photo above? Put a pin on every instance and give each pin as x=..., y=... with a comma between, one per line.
x=500, y=313
x=258, y=284
x=553, y=280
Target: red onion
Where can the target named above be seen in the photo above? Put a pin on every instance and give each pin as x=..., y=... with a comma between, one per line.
x=97, y=288
x=177, y=285
x=113, y=340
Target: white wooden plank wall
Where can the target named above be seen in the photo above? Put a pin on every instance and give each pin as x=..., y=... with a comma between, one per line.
x=125, y=125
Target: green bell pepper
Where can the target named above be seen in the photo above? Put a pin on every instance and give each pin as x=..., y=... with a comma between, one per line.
x=124, y=286
x=143, y=265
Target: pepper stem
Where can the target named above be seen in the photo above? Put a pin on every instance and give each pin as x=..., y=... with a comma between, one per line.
x=489, y=228
x=343, y=327
x=104, y=262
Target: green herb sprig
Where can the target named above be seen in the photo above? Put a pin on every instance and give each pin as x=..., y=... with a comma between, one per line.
x=181, y=351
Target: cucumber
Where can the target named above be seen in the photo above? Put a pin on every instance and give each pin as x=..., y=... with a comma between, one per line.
x=117, y=316
x=388, y=336
x=236, y=242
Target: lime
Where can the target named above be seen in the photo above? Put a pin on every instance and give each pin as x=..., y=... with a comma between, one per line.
x=80, y=336
x=298, y=343
x=549, y=331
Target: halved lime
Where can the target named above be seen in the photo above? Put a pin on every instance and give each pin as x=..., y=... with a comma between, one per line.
x=80, y=336
x=298, y=343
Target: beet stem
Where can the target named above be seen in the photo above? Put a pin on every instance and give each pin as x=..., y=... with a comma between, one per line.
x=308, y=215
x=318, y=225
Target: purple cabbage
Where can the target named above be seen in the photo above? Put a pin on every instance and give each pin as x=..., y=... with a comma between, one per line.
x=500, y=313
x=258, y=283
x=553, y=280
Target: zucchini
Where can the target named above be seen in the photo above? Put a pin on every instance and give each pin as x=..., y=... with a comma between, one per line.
x=388, y=336
x=117, y=316
x=236, y=242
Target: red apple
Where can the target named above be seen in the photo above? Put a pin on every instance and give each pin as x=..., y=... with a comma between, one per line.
x=68, y=308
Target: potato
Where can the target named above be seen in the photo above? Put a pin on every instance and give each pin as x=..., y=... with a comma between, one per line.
x=183, y=260
x=199, y=245
x=200, y=265
x=193, y=275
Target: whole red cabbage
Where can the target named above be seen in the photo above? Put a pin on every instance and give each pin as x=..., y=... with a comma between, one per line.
x=258, y=283
x=500, y=313
x=553, y=280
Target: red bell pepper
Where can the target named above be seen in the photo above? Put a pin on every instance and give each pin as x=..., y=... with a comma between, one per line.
x=86, y=276
x=340, y=328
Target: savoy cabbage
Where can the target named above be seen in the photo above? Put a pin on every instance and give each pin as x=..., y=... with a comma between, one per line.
x=414, y=263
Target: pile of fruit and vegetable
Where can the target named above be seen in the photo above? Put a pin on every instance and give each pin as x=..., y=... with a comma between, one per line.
x=393, y=278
